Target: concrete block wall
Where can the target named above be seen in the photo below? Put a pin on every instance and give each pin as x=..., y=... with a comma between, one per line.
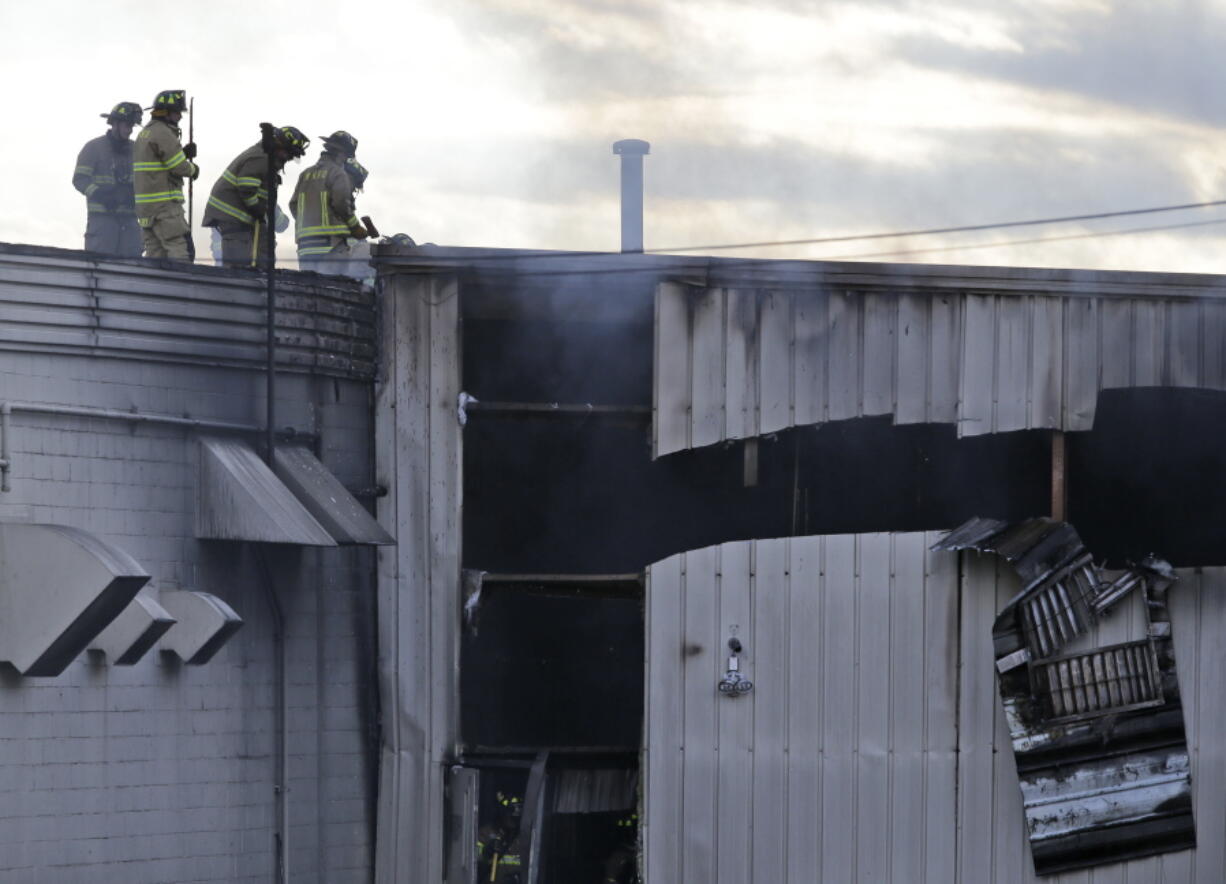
x=161, y=772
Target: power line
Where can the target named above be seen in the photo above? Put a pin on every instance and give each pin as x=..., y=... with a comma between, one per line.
x=966, y=228
x=822, y=240
x=1023, y=242
x=665, y=267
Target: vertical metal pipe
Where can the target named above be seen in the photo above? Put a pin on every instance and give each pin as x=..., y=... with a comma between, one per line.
x=632, y=151
x=281, y=787
x=5, y=410
x=268, y=140
x=1059, y=488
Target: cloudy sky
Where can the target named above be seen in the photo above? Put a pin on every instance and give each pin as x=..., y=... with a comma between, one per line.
x=490, y=122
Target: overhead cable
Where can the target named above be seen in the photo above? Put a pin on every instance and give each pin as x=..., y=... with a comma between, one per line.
x=1023, y=242
x=965, y=228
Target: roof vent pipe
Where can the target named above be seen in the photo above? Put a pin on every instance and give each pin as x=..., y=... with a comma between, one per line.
x=632, y=151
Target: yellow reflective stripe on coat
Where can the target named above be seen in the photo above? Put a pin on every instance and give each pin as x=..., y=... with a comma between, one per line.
x=232, y=211
x=166, y=196
x=84, y=170
x=333, y=230
x=314, y=250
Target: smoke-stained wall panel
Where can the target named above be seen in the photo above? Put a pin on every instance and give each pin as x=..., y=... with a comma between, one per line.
x=993, y=845
x=419, y=450
x=987, y=361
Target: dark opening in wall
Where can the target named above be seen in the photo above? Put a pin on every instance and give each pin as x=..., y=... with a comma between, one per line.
x=568, y=361
x=1148, y=477
x=584, y=496
x=552, y=666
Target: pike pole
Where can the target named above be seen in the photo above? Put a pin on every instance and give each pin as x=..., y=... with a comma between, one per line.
x=191, y=211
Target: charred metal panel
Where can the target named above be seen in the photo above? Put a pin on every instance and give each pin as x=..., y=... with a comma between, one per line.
x=739, y=361
x=1098, y=734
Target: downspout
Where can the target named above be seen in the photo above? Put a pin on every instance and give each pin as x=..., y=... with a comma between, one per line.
x=281, y=780
x=268, y=140
x=5, y=410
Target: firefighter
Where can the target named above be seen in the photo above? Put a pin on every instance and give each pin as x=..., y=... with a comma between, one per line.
x=238, y=204
x=499, y=859
x=104, y=176
x=160, y=166
x=323, y=208
x=620, y=866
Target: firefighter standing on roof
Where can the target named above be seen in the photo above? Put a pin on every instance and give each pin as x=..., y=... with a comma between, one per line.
x=238, y=205
x=104, y=176
x=160, y=166
x=323, y=209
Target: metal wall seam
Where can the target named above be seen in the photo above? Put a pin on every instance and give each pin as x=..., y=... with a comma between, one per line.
x=839, y=765
x=986, y=361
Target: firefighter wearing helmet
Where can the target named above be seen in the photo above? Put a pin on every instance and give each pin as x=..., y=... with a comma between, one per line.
x=238, y=203
x=499, y=856
x=160, y=165
x=323, y=207
x=104, y=176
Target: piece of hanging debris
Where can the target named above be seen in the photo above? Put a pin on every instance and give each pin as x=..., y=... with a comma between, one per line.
x=1098, y=734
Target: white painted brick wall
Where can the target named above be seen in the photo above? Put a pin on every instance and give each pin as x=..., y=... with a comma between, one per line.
x=160, y=772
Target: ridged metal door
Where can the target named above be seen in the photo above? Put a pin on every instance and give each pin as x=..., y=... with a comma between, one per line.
x=873, y=746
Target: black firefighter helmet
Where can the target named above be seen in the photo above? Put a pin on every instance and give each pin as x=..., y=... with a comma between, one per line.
x=170, y=100
x=292, y=141
x=124, y=112
x=341, y=142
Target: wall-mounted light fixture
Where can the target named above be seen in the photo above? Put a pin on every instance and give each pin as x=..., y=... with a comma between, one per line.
x=734, y=684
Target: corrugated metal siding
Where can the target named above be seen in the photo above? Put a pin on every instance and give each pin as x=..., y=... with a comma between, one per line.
x=732, y=363
x=63, y=302
x=874, y=746
x=839, y=765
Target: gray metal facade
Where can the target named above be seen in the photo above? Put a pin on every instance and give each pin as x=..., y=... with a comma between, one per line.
x=873, y=746
x=160, y=771
x=419, y=451
x=987, y=352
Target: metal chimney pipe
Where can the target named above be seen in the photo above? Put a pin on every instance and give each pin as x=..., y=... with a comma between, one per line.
x=632, y=151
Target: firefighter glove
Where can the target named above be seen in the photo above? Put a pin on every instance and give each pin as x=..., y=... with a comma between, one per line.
x=107, y=195
x=189, y=150
x=360, y=232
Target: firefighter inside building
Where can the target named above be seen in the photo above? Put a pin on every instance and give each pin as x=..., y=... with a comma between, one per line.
x=238, y=204
x=104, y=176
x=160, y=165
x=323, y=207
x=621, y=867
x=499, y=858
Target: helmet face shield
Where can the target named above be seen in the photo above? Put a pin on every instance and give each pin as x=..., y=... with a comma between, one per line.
x=357, y=173
x=293, y=141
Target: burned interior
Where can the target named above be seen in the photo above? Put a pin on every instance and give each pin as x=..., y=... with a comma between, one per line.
x=566, y=502
x=1098, y=733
